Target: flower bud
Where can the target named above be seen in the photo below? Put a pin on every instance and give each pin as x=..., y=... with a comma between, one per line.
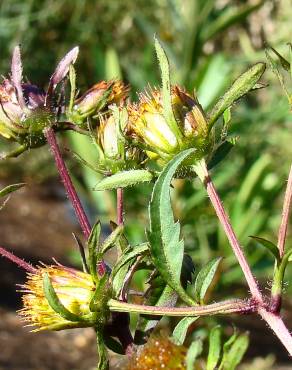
x=97, y=100
x=161, y=138
x=115, y=153
x=25, y=109
x=74, y=289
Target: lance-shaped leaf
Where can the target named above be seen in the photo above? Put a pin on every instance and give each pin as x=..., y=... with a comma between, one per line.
x=205, y=278
x=194, y=351
x=214, y=348
x=271, y=247
x=123, y=179
x=10, y=188
x=240, y=87
x=180, y=331
x=233, y=351
x=166, y=247
x=93, y=243
x=166, y=89
x=111, y=240
x=55, y=302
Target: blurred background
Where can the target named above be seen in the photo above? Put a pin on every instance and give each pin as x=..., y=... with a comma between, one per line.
x=209, y=43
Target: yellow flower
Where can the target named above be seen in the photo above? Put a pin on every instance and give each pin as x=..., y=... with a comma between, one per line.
x=74, y=290
x=161, y=138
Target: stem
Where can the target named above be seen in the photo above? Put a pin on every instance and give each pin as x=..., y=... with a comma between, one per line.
x=18, y=261
x=120, y=206
x=285, y=216
x=227, y=307
x=276, y=324
x=64, y=174
x=203, y=174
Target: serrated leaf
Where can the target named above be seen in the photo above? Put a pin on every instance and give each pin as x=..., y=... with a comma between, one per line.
x=166, y=248
x=272, y=248
x=204, y=279
x=93, y=243
x=10, y=188
x=123, y=179
x=55, y=302
x=214, y=348
x=235, y=352
x=194, y=351
x=241, y=86
x=180, y=331
x=166, y=89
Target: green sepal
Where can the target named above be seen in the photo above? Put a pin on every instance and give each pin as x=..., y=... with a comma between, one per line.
x=56, y=304
x=180, y=331
x=10, y=188
x=271, y=247
x=166, y=248
x=166, y=89
x=123, y=179
x=205, y=278
x=72, y=79
x=214, y=348
x=241, y=86
x=93, y=243
x=194, y=351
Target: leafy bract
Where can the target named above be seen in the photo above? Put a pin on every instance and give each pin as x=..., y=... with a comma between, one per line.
x=166, y=247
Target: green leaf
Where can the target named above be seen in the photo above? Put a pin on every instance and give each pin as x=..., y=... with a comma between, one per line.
x=10, y=188
x=240, y=87
x=194, y=351
x=167, y=250
x=284, y=63
x=111, y=240
x=55, y=302
x=214, y=348
x=204, y=279
x=103, y=361
x=166, y=89
x=93, y=243
x=72, y=79
x=123, y=179
x=272, y=248
x=113, y=344
x=233, y=353
x=180, y=331
x=98, y=300
x=220, y=153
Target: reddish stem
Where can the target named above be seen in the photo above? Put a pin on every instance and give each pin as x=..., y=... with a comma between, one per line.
x=285, y=216
x=120, y=206
x=70, y=189
x=224, y=220
x=18, y=261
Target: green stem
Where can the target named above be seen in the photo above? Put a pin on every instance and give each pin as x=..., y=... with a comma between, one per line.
x=226, y=307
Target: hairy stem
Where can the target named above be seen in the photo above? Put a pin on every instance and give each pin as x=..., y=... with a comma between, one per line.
x=227, y=307
x=18, y=261
x=276, y=324
x=70, y=189
x=285, y=216
x=120, y=206
x=204, y=176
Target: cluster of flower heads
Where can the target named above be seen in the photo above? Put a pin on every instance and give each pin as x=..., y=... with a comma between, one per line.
x=127, y=135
